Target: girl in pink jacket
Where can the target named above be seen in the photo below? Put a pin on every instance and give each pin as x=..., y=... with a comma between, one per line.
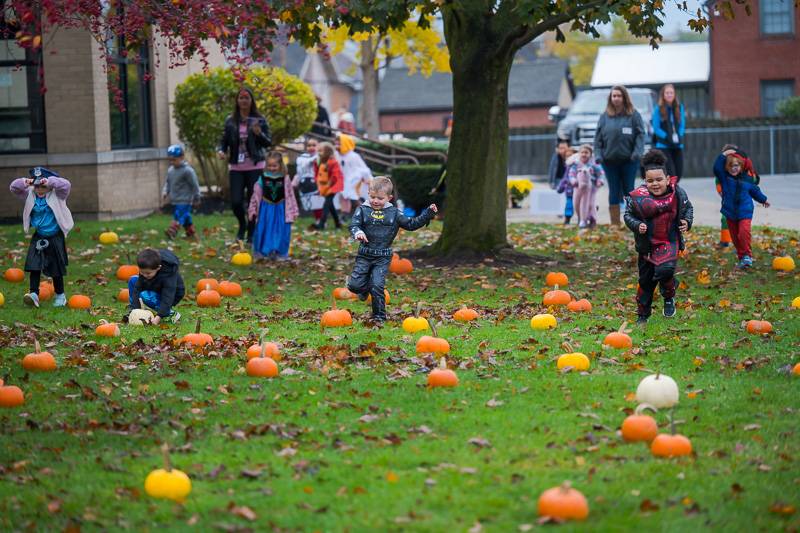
x=273, y=207
x=45, y=196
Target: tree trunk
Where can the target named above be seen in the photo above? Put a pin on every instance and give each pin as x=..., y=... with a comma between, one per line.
x=369, y=76
x=475, y=215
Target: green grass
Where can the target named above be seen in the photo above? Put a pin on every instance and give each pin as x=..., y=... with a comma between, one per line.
x=80, y=448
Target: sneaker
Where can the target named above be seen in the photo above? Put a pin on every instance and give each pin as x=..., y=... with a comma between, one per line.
x=31, y=299
x=747, y=261
x=60, y=301
x=641, y=321
x=722, y=244
x=582, y=224
x=363, y=296
x=669, y=307
x=174, y=317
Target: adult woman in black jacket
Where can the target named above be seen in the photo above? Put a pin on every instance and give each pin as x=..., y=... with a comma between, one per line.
x=244, y=143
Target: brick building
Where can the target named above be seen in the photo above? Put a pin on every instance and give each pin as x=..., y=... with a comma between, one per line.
x=755, y=60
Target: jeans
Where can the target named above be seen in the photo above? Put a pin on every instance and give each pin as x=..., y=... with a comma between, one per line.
x=621, y=177
x=150, y=299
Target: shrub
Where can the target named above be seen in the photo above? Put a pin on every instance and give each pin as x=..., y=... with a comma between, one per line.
x=414, y=183
x=204, y=100
x=790, y=108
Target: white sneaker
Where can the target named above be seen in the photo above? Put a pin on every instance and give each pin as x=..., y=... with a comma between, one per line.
x=60, y=301
x=174, y=317
x=31, y=299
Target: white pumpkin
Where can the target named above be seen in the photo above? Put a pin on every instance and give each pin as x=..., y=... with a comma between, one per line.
x=140, y=317
x=658, y=390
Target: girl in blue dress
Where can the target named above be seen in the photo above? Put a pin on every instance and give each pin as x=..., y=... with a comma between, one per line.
x=274, y=208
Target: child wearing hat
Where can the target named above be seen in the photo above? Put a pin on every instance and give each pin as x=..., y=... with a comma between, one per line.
x=45, y=195
x=183, y=190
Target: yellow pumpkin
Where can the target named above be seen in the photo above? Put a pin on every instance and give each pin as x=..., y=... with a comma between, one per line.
x=414, y=324
x=168, y=483
x=108, y=237
x=575, y=360
x=785, y=263
x=242, y=259
x=2, y=299
x=544, y=321
x=796, y=302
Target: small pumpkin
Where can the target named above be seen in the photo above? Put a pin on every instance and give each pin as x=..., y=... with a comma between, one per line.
x=572, y=360
x=269, y=349
x=230, y=289
x=415, y=323
x=242, y=257
x=401, y=266
x=658, y=390
x=141, y=316
x=557, y=297
x=639, y=427
x=262, y=366
x=126, y=272
x=619, y=339
x=197, y=340
x=10, y=395
x=563, y=503
x=39, y=361
x=553, y=279
x=442, y=376
x=207, y=283
x=108, y=237
x=79, y=301
x=433, y=344
x=46, y=291
x=666, y=445
x=543, y=321
x=14, y=275
x=758, y=327
x=343, y=293
x=209, y=297
x=2, y=299
x=465, y=314
x=785, y=263
x=796, y=369
x=336, y=318
x=580, y=306
x=123, y=295
x=796, y=302
x=168, y=483
x=107, y=329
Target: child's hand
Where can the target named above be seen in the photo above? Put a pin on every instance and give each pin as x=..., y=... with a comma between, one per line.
x=765, y=204
x=729, y=151
x=433, y=208
x=642, y=228
x=29, y=182
x=683, y=226
x=155, y=320
x=221, y=154
x=361, y=236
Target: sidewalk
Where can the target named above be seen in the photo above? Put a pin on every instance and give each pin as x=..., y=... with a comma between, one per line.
x=783, y=192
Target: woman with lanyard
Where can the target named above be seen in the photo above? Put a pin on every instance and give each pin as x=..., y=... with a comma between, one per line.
x=669, y=127
x=244, y=143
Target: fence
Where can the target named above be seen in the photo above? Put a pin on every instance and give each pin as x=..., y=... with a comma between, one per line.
x=774, y=149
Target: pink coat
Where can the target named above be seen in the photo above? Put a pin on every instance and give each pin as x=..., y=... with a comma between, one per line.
x=292, y=211
x=56, y=199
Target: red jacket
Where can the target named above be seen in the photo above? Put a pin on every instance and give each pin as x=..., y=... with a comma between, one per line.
x=333, y=182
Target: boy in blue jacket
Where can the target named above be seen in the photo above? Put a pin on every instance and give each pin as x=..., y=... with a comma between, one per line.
x=732, y=170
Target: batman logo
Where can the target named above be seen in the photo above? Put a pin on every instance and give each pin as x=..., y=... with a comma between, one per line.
x=378, y=215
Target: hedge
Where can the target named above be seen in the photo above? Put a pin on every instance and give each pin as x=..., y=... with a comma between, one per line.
x=414, y=182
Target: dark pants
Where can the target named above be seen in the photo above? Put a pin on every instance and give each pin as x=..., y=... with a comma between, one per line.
x=369, y=277
x=674, y=161
x=36, y=278
x=242, y=182
x=621, y=177
x=328, y=207
x=651, y=275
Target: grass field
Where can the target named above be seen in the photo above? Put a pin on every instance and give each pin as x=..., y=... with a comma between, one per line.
x=349, y=438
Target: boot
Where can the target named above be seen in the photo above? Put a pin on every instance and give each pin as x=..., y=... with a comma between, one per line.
x=613, y=213
x=190, y=231
x=172, y=230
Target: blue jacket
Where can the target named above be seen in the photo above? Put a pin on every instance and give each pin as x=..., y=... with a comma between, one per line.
x=663, y=132
x=738, y=192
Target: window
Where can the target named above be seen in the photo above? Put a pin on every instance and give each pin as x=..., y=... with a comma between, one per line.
x=21, y=100
x=130, y=126
x=777, y=17
x=772, y=93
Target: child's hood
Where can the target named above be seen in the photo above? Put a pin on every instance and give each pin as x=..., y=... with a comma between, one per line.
x=346, y=144
x=169, y=262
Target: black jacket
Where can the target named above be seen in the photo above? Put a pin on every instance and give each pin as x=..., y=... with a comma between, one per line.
x=685, y=212
x=381, y=227
x=167, y=282
x=256, y=144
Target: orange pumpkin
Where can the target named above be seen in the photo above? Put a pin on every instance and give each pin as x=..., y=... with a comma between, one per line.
x=10, y=395
x=465, y=314
x=14, y=275
x=556, y=278
x=39, y=361
x=757, y=327
x=197, y=340
x=107, y=329
x=79, y=301
x=665, y=445
x=209, y=297
x=442, y=376
x=385, y=297
x=796, y=369
x=619, y=339
x=433, y=344
x=230, y=289
x=270, y=350
x=336, y=318
x=639, y=427
x=126, y=272
x=207, y=283
x=401, y=266
x=262, y=366
x=580, y=306
x=563, y=503
x=557, y=297
x=46, y=291
x=343, y=293
x=123, y=296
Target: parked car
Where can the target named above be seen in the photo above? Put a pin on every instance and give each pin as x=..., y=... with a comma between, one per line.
x=579, y=123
